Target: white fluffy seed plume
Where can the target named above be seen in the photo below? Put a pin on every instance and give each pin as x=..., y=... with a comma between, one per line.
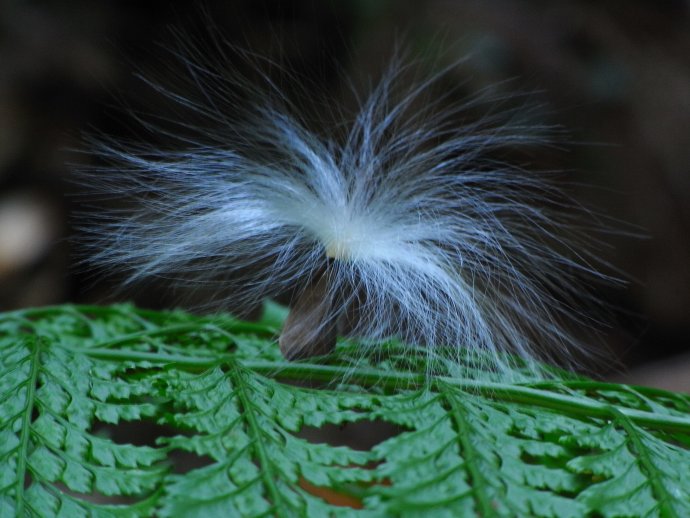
x=402, y=222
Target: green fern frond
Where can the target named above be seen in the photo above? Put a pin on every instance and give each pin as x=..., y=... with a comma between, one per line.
x=466, y=444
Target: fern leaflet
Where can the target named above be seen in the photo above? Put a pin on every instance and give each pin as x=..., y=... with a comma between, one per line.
x=466, y=444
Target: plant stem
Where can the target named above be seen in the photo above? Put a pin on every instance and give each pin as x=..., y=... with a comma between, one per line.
x=517, y=393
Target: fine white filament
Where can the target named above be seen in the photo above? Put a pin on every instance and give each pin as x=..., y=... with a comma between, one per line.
x=425, y=233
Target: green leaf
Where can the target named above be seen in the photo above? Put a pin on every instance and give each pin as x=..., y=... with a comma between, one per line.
x=463, y=442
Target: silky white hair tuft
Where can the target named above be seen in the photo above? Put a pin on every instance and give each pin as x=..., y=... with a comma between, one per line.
x=423, y=231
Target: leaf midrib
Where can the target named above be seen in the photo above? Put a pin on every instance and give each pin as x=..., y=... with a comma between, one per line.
x=652, y=473
x=23, y=446
x=470, y=455
x=264, y=462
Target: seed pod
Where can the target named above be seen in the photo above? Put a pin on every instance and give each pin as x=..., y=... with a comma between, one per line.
x=311, y=326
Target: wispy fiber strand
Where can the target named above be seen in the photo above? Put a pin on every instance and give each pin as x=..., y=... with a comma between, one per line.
x=421, y=231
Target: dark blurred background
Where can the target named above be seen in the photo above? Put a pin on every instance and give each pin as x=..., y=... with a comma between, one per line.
x=614, y=74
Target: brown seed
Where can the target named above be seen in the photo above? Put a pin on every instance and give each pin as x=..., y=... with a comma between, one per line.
x=310, y=329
